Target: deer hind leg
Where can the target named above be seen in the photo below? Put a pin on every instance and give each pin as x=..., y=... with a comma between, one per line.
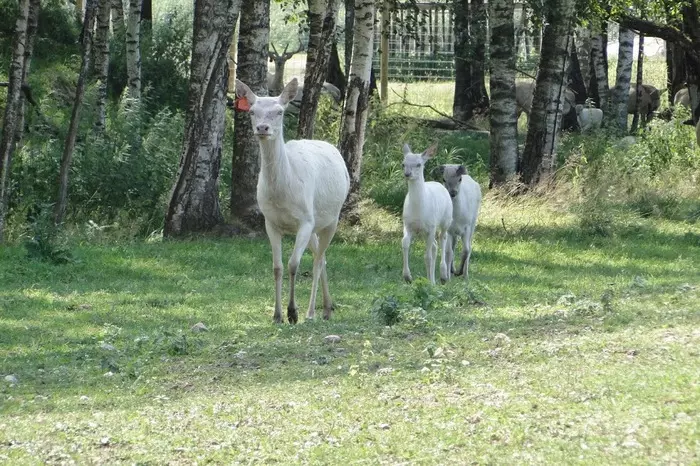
x=444, y=270
x=430, y=253
x=406, y=246
x=324, y=239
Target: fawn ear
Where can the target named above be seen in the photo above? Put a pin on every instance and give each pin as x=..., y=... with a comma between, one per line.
x=430, y=151
x=289, y=92
x=461, y=170
x=407, y=149
x=243, y=91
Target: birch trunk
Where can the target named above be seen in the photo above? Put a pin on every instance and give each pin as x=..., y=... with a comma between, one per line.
x=254, y=36
x=335, y=74
x=620, y=94
x=675, y=69
x=321, y=19
x=600, y=89
x=638, y=87
x=349, y=25
x=102, y=61
x=133, y=50
x=539, y=155
x=504, y=124
x=118, y=27
x=69, y=146
x=583, y=52
x=356, y=107
x=12, y=106
x=194, y=201
x=470, y=58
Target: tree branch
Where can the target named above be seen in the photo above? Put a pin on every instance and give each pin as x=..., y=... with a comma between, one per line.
x=662, y=31
x=457, y=123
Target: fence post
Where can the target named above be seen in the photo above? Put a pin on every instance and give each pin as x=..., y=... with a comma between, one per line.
x=384, y=57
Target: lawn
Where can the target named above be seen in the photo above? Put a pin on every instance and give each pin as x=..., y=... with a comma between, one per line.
x=565, y=347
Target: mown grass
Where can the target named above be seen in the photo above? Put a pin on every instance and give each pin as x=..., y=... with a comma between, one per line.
x=564, y=347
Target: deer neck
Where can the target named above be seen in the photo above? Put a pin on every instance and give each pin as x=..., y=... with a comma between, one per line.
x=274, y=163
x=416, y=189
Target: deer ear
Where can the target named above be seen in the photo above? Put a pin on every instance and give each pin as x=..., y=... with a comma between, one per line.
x=439, y=172
x=430, y=151
x=407, y=149
x=461, y=170
x=242, y=90
x=289, y=92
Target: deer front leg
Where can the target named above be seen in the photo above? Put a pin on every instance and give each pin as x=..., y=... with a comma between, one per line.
x=300, y=244
x=406, y=246
x=276, y=243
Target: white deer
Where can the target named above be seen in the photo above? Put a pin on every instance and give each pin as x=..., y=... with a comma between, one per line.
x=427, y=210
x=302, y=186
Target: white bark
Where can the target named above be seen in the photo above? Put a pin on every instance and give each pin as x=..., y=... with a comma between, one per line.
x=600, y=67
x=102, y=60
x=620, y=94
x=118, y=26
x=133, y=49
x=354, y=120
x=583, y=51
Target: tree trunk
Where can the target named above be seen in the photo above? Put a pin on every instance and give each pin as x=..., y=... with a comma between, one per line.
x=321, y=19
x=539, y=155
x=102, y=61
x=133, y=49
x=675, y=69
x=620, y=94
x=335, y=74
x=356, y=108
x=194, y=202
x=600, y=89
x=14, y=102
x=253, y=39
x=504, y=124
x=118, y=27
x=349, y=25
x=583, y=53
x=470, y=49
x=638, y=87
x=232, y=59
x=32, y=27
x=69, y=146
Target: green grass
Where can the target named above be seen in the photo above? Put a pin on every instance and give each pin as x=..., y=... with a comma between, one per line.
x=563, y=348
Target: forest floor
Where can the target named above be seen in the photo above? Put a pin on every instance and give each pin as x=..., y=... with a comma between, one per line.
x=563, y=348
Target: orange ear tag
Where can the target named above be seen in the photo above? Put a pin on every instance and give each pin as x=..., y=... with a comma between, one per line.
x=242, y=104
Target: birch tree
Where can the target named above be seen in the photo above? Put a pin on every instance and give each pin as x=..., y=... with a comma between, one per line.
x=356, y=106
x=194, y=201
x=504, y=129
x=25, y=31
x=470, y=59
x=599, y=88
x=583, y=51
x=539, y=155
x=638, y=86
x=321, y=19
x=69, y=145
x=102, y=60
x=118, y=27
x=133, y=49
x=620, y=95
x=254, y=37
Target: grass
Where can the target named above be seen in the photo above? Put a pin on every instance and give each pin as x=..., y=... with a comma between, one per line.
x=563, y=348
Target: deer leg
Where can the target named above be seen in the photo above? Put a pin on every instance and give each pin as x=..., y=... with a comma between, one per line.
x=324, y=239
x=276, y=243
x=300, y=244
x=406, y=246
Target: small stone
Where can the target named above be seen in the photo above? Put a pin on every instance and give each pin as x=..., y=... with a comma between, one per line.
x=104, y=441
x=11, y=379
x=84, y=398
x=199, y=327
x=107, y=347
x=109, y=374
x=332, y=339
x=501, y=339
x=384, y=426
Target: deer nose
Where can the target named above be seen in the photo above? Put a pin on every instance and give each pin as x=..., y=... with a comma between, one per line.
x=263, y=128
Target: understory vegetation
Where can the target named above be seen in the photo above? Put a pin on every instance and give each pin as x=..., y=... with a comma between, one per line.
x=575, y=340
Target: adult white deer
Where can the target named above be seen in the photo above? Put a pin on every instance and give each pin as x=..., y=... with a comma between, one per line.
x=301, y=187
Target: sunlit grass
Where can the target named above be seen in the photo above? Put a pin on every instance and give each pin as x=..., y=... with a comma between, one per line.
x=564, y=347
